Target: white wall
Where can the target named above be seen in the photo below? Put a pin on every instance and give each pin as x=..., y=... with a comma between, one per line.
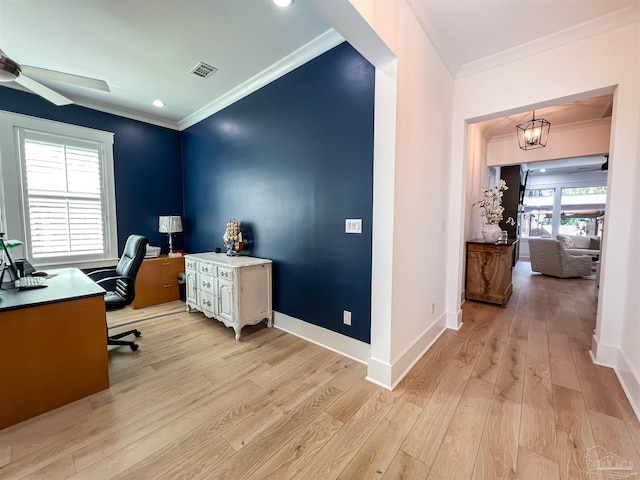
x=576, y=70
x=574, y=140
x=411, y=168
x=628, y=361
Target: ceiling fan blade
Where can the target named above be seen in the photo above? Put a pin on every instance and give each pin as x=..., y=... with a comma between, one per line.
x=46, y=74
x=45, y=92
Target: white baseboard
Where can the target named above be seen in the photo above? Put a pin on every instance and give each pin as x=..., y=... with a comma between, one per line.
x=630, y=381
x=347, y=346
x=454, y=320
x=602, y=354
x=379, y=372
x=608, y=356
x=389, y=375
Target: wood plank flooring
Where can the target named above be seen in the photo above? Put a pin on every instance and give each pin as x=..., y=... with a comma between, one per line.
x=512, y=395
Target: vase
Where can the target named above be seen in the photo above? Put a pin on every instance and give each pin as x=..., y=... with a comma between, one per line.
x=491, y=232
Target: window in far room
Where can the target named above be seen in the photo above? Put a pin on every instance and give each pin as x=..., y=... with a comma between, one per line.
x=574, y=210
x=61, y=202
x=538, y=212
x=582, y=208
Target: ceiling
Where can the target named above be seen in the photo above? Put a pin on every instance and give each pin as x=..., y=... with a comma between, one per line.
x=580, y=111
x=590, y=164
x=466, y=31
x=144, y=50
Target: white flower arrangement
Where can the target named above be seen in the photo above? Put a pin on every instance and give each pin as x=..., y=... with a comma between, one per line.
x=491, y=204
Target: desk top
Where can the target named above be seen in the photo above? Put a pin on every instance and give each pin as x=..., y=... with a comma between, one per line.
x=68, y=284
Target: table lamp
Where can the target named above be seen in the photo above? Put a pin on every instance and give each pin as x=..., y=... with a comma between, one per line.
x=170, y=224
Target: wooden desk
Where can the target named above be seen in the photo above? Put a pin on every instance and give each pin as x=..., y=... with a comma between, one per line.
x=53, y=346
x=489, y=268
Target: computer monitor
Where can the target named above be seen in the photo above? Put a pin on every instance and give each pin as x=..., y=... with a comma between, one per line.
x=10, y=267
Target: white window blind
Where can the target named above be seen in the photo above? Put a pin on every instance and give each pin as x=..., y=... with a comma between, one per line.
x=64, y=196
x=57, y=192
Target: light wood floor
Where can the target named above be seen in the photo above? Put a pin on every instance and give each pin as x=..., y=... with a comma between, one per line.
x=512, y=394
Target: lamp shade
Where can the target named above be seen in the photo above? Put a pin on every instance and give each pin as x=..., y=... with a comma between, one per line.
x=169, y=223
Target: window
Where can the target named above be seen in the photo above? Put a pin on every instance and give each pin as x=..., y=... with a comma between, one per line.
x=538, y=212
x=59, y=191
x=570, y=210
x=582, y=208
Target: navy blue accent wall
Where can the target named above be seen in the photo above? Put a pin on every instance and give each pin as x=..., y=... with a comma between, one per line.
x=292, y=161
x=147, y=163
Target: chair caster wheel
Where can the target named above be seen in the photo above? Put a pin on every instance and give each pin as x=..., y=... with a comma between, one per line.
x=134, y=347
x=137, y=333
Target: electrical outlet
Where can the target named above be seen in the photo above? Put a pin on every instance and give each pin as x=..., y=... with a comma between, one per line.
x=433, y=308
x=353, y=225
x=444, y=226
x=346, y=317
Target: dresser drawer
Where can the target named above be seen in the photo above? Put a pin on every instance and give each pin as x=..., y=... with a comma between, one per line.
x=226, y=273
x=159, y=269
x=206, y=268
x=155, y=293
x=191, y=263
x=206, y=301
x=206, y=283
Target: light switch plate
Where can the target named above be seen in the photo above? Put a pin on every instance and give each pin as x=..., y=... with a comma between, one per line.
x=353, y=225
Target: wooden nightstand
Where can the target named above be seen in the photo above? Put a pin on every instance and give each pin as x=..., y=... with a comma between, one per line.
x=157, y=281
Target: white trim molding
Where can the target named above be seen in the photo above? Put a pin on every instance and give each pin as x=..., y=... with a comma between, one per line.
x=601, y=354
x=630, y=381
x=319, y=45
x=454, y=319
x=389, y=375
x=347, y=346
x=614, y=357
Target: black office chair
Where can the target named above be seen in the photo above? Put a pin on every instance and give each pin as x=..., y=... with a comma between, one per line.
x=125, y=279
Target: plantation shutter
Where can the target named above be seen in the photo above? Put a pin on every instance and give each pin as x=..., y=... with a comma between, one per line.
x=64, y=192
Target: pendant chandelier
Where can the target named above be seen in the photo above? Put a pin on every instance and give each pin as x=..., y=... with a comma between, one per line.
x=534, y=133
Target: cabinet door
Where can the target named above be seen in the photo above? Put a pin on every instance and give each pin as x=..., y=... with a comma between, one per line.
x=192, y=287
x=225, y=300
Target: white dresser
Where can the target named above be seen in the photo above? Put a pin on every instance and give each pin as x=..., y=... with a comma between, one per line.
x=234, y=290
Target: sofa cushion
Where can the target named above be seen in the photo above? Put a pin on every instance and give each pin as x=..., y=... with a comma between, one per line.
x=580, y=241
x=566, y=241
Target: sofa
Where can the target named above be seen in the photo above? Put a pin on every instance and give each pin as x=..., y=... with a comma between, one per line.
x=549, y=257
x=580, y=244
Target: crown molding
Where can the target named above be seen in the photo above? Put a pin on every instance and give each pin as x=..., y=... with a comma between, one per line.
x=606, y=23
x=302, y=55
x=130, y=114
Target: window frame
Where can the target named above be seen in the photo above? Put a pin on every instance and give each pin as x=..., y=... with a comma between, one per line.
x=13, y=194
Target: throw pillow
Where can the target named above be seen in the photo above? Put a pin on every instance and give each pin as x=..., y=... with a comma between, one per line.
x=566, y=241
x=594, y=243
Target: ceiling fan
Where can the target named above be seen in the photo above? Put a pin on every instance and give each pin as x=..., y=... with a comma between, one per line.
x=11, y=71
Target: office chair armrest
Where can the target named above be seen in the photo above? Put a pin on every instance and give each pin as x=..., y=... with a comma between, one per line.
x=117, y=277
x=102, y=270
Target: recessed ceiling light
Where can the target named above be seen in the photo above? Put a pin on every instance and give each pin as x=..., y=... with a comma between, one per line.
x=158, y=103
x=542, y=170
x=283, y=3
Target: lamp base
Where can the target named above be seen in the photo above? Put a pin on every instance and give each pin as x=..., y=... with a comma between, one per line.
x=175, y=254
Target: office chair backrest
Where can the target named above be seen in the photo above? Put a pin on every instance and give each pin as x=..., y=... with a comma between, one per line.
x=129, y=264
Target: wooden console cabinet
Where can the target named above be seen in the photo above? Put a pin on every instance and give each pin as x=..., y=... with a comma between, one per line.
x=489, y=267
x=157, y=281
x=234, y=290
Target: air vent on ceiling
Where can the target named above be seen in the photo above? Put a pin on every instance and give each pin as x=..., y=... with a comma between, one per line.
x=203, y=70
